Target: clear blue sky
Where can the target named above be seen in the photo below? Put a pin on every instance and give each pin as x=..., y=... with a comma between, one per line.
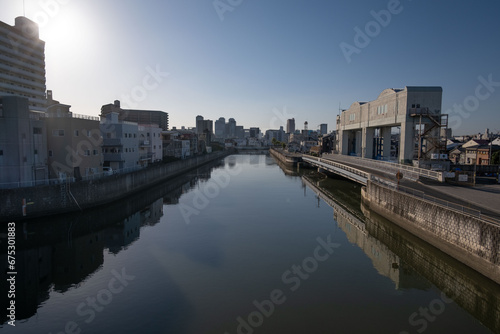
x=267, y=60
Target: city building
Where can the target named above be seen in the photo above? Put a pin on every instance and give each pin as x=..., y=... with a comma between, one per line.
x=120, y=144
x=220, y=128
x=255, y=132
x=157, y=117
x=290, y=126
x=231, y=128
x=279, y=135
x=323, y=129
x=22, y=62
x=365, y=128
x=203, y=125
x=23, y=144
x=73, y=142
x=239, y=132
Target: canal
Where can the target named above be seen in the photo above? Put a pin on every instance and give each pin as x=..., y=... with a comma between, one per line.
x=242, y=245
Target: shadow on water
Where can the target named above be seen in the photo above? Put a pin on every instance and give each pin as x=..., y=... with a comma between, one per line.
x=63, y=251
x=408, y=261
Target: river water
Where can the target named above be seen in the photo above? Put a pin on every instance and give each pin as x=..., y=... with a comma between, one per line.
x=243, y=245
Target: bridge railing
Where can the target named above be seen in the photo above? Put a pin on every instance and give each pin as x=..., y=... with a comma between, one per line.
x=350, y=169
x=409, y=172
x=420, y=194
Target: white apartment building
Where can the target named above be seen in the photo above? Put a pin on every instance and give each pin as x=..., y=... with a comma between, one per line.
x=150, y=143
x=120, y=142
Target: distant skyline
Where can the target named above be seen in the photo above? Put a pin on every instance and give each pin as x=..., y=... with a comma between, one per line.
x=262, y=62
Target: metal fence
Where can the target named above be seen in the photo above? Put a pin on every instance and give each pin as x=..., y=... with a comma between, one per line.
x=68, y=179
x=409, y=172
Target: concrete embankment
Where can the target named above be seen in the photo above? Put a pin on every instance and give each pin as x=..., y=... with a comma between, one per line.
x=471, y=240
x=289, y=159
x=32, y=202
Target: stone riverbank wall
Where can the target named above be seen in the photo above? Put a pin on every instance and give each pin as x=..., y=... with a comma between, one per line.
x=289, y=159
x=471, y=240
x=32, y=202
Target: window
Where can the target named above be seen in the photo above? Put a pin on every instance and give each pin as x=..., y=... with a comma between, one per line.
x=58, y=133
x=50, y=153
x=35, y=151
x=352, y=117
x=37, y=131
x=95, y=152
x=88, y=133
x=76, y=133
x=86, y=153
x=1, y=152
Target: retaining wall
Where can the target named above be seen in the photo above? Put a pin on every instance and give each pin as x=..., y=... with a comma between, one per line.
x=22, y=203
x=288, y=159
x=473, y=241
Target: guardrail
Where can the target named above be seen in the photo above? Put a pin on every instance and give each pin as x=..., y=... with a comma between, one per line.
x=363, y=176
x=69, y=179
x=422, y=195
x=409, y=172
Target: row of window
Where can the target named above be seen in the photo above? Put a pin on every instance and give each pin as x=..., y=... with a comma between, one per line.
x=381, y=110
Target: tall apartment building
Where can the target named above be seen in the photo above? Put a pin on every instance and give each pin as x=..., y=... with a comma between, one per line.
x=22, y=62
x=290, y=125
x=323, y=129
x=220, y=128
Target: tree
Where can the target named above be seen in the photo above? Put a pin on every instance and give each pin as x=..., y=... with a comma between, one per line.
x=495, y=158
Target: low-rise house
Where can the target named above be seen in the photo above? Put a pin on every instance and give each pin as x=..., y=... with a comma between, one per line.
x=150, y=144
x=23, y=144
x=73, y=142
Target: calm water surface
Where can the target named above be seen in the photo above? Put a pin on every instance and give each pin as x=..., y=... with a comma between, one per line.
x=242, y=247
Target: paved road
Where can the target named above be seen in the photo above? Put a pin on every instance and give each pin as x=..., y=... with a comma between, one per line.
x=484, y=198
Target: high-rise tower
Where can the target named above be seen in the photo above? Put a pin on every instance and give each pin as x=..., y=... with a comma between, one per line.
x=22, y=62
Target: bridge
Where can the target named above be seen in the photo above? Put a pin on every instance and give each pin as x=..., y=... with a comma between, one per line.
x=359, y=169
x=351, y=173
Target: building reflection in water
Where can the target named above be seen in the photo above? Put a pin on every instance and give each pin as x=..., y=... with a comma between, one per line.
x=407, y=260
x=60, y=252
